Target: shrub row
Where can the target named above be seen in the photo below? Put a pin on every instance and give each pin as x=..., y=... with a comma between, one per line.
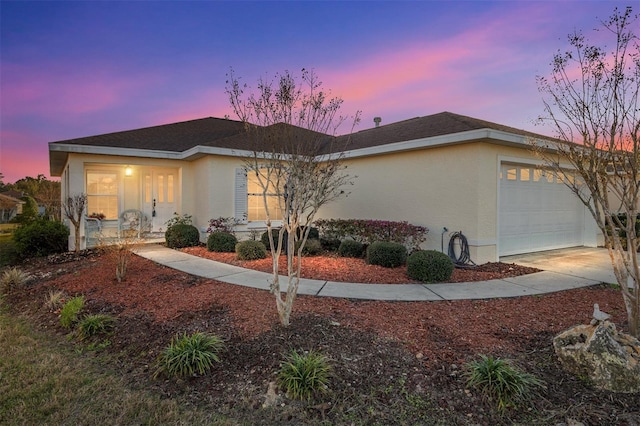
x=369, y=231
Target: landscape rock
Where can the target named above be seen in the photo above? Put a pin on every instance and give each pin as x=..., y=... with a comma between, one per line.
x=597, y=351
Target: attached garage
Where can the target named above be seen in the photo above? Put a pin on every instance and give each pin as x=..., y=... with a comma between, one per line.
x=537, y=211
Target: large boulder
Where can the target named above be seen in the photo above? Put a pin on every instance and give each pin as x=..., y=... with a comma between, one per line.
x=597, y=351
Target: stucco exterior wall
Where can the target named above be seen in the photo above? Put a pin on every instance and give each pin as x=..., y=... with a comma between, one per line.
x=453, y=187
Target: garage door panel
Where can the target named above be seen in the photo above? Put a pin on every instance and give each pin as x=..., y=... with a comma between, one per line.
x=537, y=211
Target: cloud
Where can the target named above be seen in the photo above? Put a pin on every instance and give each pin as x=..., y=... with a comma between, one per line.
x=54, y=90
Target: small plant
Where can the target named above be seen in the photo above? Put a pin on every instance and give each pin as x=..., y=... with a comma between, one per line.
x=351, y=248
x=177, y=219
x=70, y=310
x=250, y=250
x=182, y=235
x=312, y=248
x=13, y=278
x=223, y=224
x=54, y=300
x=188, y=355
x=222, y=242
x=429, y=266
x=500, y=382
x=389, y=255
x=303, y=375
x=93, y=324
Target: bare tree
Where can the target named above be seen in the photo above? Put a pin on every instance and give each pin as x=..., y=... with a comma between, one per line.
x=291, y=125
x=73, y=208
x=591, y=100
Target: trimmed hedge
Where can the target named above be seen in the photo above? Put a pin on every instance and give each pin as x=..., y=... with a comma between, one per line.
x=251, y=250
x=429, y=266
x=222, y=242
x=369, y=231
x=389, y=255
x=182, y=235
x=351, y=248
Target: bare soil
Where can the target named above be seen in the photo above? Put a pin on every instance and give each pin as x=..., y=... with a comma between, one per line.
x=393, y=362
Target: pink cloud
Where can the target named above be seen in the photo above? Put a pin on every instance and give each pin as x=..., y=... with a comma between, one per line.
x=20, y=156
x=58, y=91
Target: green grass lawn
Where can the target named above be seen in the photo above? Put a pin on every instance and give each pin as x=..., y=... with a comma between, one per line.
x=44, y=381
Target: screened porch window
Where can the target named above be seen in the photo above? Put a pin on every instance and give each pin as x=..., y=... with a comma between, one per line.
x=102, y=193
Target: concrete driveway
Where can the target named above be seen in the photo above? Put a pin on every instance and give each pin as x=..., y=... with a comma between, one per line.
x=584, y=262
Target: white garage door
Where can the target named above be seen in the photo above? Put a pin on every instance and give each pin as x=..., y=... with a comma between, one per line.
x=537, y=211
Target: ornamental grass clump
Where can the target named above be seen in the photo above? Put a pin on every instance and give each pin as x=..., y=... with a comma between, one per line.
x=501, y=383
x=70, y=310
x=190, y=355
x=429, y=266
x=94, y=324
x=13, y=278
x=304, y=375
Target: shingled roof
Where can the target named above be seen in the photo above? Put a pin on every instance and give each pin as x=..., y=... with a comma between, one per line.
x=444, y=123
x=176, y=137
x=232, y=135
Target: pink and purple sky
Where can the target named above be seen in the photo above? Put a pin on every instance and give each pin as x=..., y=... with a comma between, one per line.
x=71, y=69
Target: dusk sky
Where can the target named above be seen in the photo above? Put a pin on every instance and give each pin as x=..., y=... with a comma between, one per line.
x=74, y=69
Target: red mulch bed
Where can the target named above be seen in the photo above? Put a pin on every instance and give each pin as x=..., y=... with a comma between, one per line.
x=347, y=269
x=372, y=344
x=166, y=294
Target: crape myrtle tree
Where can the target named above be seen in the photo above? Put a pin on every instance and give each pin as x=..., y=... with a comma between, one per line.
x=291, y=123
x=591, y=100
x=73, y=208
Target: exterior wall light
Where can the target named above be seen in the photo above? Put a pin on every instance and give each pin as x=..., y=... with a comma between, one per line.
x=128, y=171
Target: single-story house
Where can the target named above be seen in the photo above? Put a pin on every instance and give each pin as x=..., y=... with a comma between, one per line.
x=440, y=171
x=10, y=206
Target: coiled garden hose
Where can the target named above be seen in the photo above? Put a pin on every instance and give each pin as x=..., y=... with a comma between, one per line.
x=463, y=260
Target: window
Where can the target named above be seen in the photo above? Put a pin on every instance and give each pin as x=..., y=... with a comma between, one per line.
x=255, y=201
x=102, y=193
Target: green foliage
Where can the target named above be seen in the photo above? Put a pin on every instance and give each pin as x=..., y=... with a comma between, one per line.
x=351, y=248
x=29, y=211
x=429, y=266
x=177, y=219
x=41, y=238
x=389, y=255
x=70, y=310
x=182, y=235
x=312, y=248
x=251, y=250
x=303, y=375
x=330, y=244
x=13, y=278
x=93, y=324
x=313, y=235
x=500, y=382
x=188, y=355
x=276, y=236
x=222, y=242
x=370, y=231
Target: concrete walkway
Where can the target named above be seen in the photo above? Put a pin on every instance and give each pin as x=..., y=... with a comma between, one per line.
x=562, y=270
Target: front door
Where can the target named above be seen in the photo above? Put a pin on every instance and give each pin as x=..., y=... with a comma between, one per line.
x=159, y=197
